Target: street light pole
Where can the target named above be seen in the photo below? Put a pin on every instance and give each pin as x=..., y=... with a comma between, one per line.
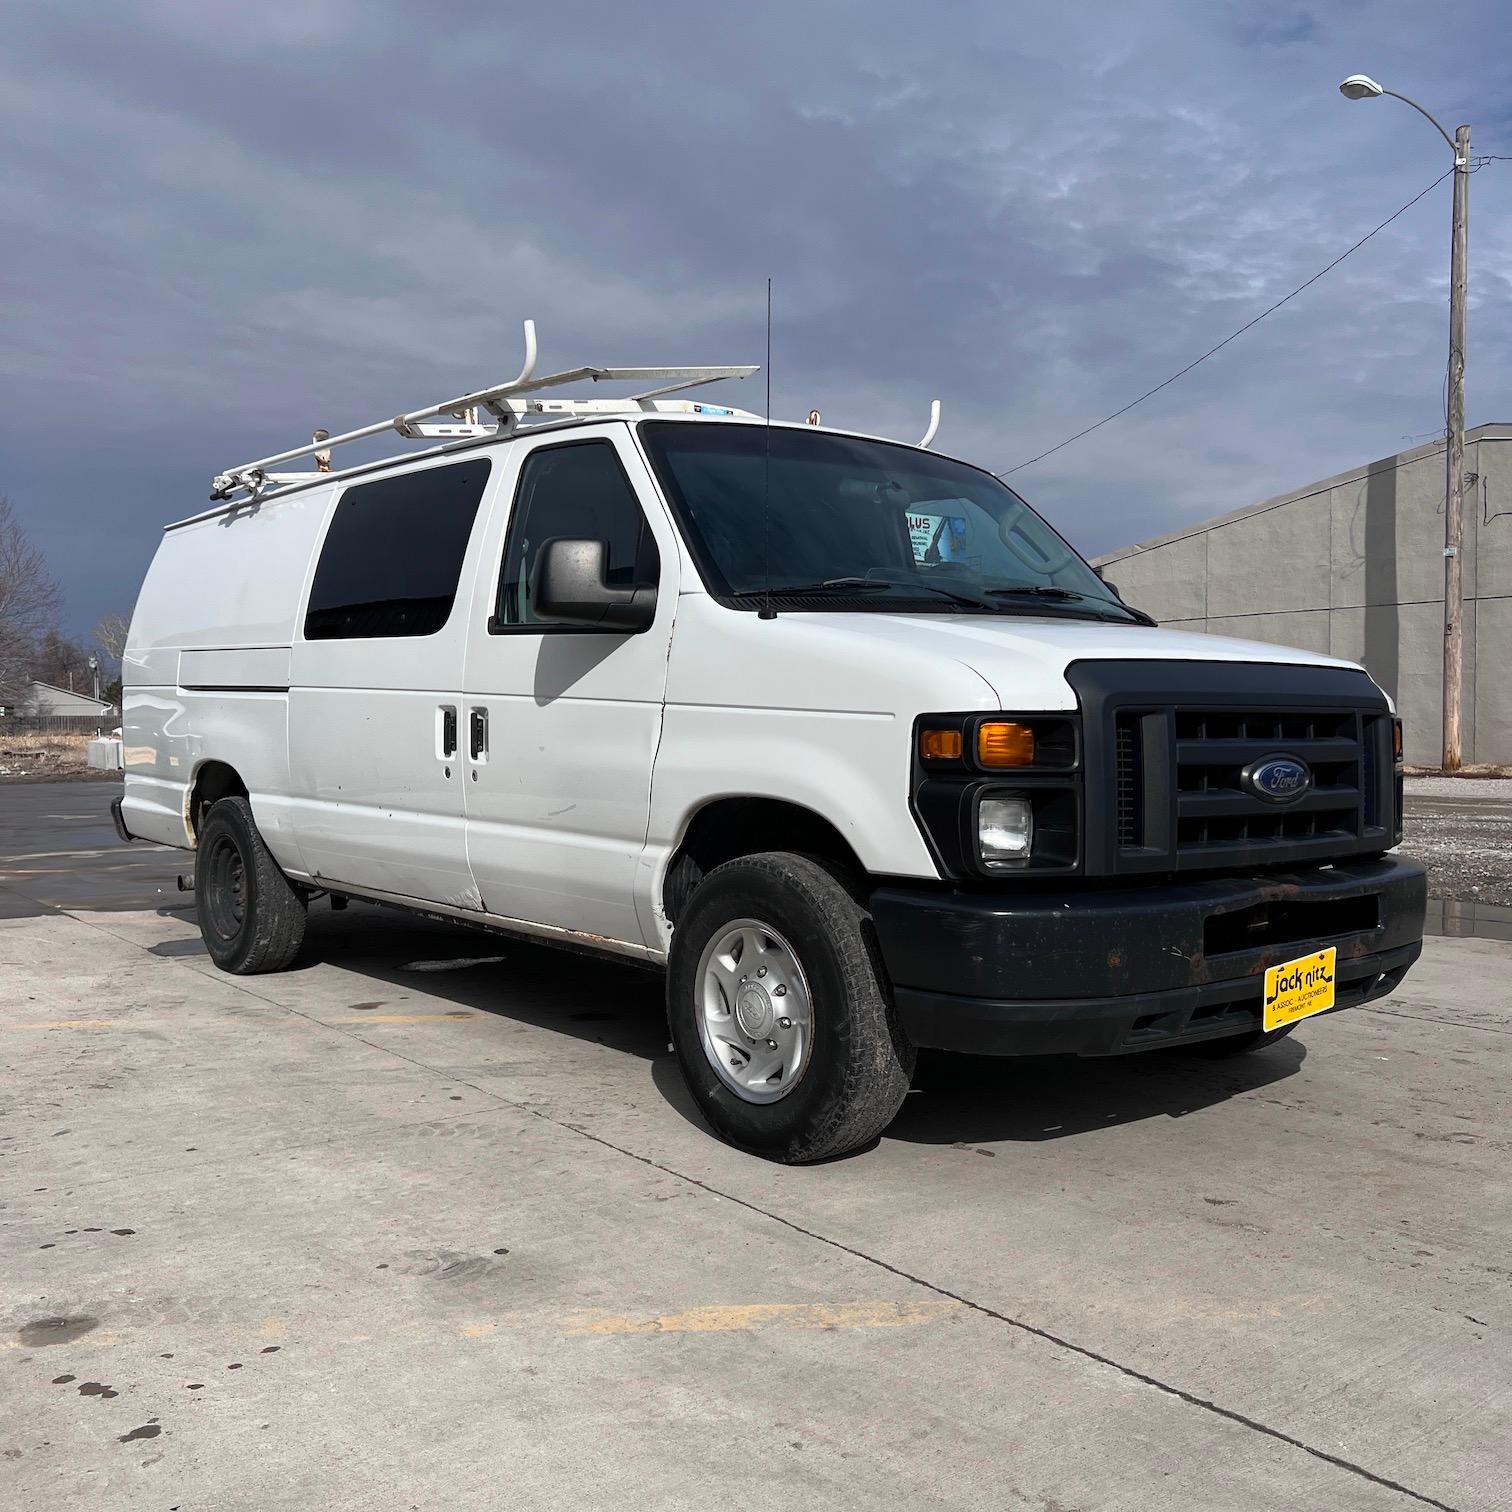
x=1455, y=482
x=1361, y=87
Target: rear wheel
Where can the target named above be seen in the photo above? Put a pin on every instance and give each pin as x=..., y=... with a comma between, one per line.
x=251, y=917
x=781, y=1013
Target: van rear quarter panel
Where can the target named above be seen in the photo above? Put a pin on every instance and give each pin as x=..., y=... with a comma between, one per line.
x=206, y=667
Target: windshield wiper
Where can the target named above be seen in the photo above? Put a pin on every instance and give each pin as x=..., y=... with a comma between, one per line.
x=1051, y=591
x=864, y=585
x=1040, y=590
x=792, y=590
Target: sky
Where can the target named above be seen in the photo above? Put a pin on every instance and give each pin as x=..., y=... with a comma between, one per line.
x=225, y=224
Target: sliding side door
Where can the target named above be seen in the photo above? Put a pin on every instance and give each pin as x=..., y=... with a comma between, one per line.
x=375, y=702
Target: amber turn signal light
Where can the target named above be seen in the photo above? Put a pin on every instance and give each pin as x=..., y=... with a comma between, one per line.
x=940, y=745
x=1396, y=738
x=1005, y=743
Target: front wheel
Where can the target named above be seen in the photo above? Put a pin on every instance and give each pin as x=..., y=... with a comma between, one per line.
x=251, y=917
x=781, y=1013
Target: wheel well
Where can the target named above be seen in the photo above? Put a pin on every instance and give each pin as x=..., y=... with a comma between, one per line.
x=214, y=781
x=731, y=827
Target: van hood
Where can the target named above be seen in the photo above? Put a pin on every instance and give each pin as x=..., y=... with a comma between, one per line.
x=1024, y=660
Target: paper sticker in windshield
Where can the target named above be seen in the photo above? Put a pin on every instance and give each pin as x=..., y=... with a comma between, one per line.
x=938, y=537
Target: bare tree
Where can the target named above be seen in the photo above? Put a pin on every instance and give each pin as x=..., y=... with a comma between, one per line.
x=61, y=661
x=110, y=636
x=29, y=601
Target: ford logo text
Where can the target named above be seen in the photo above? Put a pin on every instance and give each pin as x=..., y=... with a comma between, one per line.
x=1277, y=779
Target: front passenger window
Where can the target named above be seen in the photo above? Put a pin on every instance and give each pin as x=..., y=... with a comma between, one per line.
x=577, y=491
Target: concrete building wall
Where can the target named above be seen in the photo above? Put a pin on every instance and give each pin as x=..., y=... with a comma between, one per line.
x=1354, y=567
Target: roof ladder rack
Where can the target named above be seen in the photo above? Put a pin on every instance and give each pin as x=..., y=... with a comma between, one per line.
x=506, y=402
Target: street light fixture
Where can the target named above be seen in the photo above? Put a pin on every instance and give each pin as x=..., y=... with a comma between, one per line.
x=1360, y=87
x=1363, y=87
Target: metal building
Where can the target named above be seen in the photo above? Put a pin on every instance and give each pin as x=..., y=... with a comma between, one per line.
x=1354, y=566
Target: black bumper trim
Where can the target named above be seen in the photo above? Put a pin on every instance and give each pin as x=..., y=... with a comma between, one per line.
x=1123, y=1025
x=1099, y=971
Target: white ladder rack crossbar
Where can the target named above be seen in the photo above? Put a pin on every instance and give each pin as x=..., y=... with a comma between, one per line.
x=253, y=475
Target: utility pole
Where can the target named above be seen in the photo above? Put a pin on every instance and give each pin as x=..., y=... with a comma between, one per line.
x=1454, y=492
x=1363, y=87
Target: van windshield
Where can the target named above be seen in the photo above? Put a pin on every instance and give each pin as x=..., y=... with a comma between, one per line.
x=840, y=523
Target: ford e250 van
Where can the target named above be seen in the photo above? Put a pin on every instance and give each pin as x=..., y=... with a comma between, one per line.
x=838, y=731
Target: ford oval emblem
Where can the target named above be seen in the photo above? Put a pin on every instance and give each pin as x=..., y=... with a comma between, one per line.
x=1277, y=779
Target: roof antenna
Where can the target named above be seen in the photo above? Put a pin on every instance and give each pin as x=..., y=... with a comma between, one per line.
x=767, y=612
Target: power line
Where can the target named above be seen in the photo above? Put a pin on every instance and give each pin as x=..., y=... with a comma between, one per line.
x=1148, y=393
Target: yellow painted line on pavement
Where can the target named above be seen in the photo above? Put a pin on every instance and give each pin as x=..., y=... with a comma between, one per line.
x=84, y=1341
x=821, y=1317
x=67, y=1024
x=746, y=1317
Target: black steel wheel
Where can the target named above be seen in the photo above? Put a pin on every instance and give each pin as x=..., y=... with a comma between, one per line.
x=251, y=917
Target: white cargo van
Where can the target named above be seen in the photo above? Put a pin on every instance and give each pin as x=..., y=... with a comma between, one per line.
x=837, y=730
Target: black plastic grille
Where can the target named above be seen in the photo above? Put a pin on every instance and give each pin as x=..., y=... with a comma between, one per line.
x=1215, y=812
x=1127, y=763
x=1166, y=745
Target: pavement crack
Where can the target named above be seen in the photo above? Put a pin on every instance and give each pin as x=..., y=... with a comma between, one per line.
x=1128, y=1372
x=1439, y=1023
x=1191, y=1398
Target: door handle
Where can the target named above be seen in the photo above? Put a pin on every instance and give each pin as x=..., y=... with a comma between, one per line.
x=477, y=733
x=448, y=731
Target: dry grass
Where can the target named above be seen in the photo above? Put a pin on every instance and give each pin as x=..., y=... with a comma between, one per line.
x=30, y=745
x=58, y=754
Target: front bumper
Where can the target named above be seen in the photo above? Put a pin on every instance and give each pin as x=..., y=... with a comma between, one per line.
x=1106, y=971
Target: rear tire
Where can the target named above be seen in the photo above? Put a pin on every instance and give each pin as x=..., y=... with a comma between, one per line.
x=251, y=917
x=817, y=1066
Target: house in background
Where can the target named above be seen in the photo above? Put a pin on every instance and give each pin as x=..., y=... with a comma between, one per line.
x=43, y=701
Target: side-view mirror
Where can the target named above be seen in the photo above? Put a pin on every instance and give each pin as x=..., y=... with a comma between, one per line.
x=1108, y=583
x=568, y=588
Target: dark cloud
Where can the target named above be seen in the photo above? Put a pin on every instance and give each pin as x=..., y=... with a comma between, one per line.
x=226, y=224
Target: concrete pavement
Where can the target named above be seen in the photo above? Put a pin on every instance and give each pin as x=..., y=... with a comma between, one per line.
x=429, y=1223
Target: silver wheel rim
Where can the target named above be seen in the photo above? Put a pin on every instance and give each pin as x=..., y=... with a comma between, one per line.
x=755, y=1015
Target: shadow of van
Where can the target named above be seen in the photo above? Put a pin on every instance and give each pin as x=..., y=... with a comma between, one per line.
x=956, y=1099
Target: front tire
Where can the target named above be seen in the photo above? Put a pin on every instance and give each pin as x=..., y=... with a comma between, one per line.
x=781, y=1012
x=251, y=917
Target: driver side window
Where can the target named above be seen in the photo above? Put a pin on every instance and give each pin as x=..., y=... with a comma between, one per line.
x=577, y=491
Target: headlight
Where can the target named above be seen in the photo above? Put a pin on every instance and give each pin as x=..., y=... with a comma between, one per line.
x=1005, y=830
x=998, y=795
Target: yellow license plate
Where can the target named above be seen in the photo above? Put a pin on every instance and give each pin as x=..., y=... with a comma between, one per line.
x=1298, y=989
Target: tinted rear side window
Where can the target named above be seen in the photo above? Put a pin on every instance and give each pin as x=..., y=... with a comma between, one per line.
x=393, y=554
